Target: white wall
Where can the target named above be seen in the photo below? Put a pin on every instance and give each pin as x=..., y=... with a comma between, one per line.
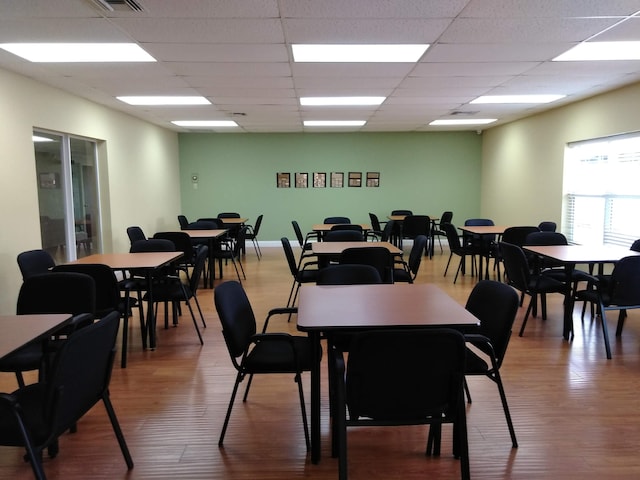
x=139, y=170
x=522, y=162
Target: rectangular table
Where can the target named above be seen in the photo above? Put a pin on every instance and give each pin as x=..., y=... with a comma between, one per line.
x=326, y=227
x=399, y=219
x=211, y=236
x=19, y=330
x=148, y=262
x=323, y=309
x=483, y=230
x=569, y=256
x=336, y=248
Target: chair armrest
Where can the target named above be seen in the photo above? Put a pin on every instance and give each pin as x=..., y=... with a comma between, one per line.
x=278, y=311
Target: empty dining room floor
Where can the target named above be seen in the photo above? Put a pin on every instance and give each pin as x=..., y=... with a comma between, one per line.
x=576, y=414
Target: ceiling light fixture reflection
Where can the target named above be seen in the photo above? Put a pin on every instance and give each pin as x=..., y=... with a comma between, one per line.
x=358, y=53
x=517, y=98
x=339, y=101
x=78, y=52
x=37, y=138
x=205, y=123
x=334, y=123
x=468, y=121
x=164, y=100
x=592, y=51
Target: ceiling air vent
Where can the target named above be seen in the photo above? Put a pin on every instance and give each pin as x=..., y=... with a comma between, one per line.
x=119, y=5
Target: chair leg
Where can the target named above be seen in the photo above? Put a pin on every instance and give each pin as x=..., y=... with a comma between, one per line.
x=246, y=390
x=34, y=456
x=466, y=390
x=605, y=331
x=239, y=378
x=125, y=336
x=526, y=316
x=116, y=429
x=303, y=408
x=621, y=318
x=204, y=324
x=503, y=397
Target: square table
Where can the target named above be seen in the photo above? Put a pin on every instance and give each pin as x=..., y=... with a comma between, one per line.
x=323, y=309
x=211, y=236
x=147, y=261
x=483, y=230
x=336, y=248
x=20, y=330
x=569, y=256
x=399, y=219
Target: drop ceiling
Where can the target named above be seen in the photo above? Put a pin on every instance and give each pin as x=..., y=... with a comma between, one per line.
x=237, y=53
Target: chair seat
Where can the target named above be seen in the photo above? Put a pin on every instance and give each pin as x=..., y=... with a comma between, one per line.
x=26, y=358
x=546, y=284
x=277, y=357
x=170, y=292
x=30, y=400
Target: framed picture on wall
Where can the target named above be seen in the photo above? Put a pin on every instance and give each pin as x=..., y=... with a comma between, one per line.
x=302, y=180
x=283, y=180
x=337, y=179
x=373, y=179
x=319, y=180
x=355, y=179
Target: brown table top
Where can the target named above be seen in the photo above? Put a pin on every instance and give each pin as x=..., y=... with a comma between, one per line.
x=484, y=229
x=126, y=261
x=206, y=233
x=323, y=308
x=19, y=330
x=326, y=227
x=336, y=248
x=400, y=218
x=233, y=220
x=582, y=253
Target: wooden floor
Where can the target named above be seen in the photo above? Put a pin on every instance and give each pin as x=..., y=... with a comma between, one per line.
x=576, y=414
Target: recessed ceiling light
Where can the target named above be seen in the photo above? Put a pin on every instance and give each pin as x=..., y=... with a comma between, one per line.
x=468, y=121
x=517, y=98
x=358, y=53
x=334, y=123
x=205, y=123
x=589, y=51
x=165, y=100
x=333, y=101
x=78, y=52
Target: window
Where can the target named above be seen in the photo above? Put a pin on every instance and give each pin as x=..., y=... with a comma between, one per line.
x=601, y=191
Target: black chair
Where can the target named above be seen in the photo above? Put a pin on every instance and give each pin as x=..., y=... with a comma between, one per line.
x=51, y=292
x=347, y=226
x=515, y=236
x=401, y=212
x=300, y=273
x=438, y=231
x=408, y=271
x=397, y=226
x=480, y=245
x=34, y=262
x=376, y=227
x=234, y=228
x=414, y=225
x=621, y=292
x=252, y=234
x=348, y=274
x=182, y=220
x=344, y=236
x=304, y=241
x=337, y=220
x=455, y=248
x=232, y=251
x=401, y=377
x=377, y=257
x=519, y=276
x=135, y=234
x=36, y=415
x=182, y=243
x=173, y=290
x=547, y=226
x=258, y=353
x=206, y=224
x=495, y=304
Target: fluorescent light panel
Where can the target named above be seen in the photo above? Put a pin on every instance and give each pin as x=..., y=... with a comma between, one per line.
x=517, y=98
x=334, y=123
x=205, y=123
x=78, y=52
x=165, y=100
x=468, y=121
x=358, y=53
x=592, y=51
x=37, y=138
x=338, y=101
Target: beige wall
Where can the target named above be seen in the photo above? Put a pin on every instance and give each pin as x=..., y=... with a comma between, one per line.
x=138, y=172
x=522, y=162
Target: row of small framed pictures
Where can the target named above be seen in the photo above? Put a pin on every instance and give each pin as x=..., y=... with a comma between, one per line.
x=319, y=180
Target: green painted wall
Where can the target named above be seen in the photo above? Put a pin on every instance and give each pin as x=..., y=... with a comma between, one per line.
x=425, y=172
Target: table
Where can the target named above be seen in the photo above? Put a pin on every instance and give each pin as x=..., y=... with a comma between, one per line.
x=400, y=218
x=326, y=227
x=19, y=330
x=483, y=230
x=336, y=248
x=147, y=261
x=210, y=236
x=323, y=309
x=233, y=220
x=569, y=256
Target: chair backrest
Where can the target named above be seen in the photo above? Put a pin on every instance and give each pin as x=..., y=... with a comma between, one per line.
x=205, y=224
x=405, y=375
x=545, y=238
x=452, y=237
x=34, y=262
x=57, y=292
x=182, y=243
x=347, y=226
x=288, y=253
x=387, y=231
x=182, y=220
x=495, y=304
x=348, y=274
x=153, y=245
x=547, y=226
x=298, y=232
x=446, y=217
x=624, y=288
x=135, y=234
x=228, y=215
x=80, y=373
x=198, y=268
x=256, y=227
x=343, y=236
x=478, y=222
x=635, y=246
x=375, y=222
x=416, y=253
x=518, y=235
x=414, y=225
x=516, y=266
x=377, y=257
x=337, y=220
x=401, y=212
x=240, y=240
x=236, y=316
x=106, y=284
